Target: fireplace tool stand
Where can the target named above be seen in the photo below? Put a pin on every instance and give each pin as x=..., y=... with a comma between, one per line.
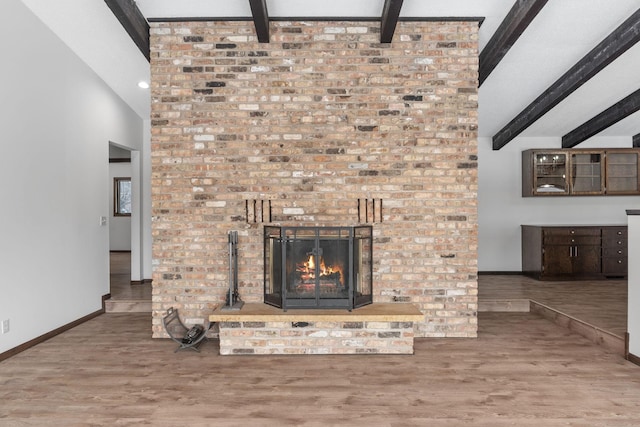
x=233, y=297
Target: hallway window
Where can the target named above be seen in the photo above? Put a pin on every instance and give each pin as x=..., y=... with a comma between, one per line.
x=122, y=196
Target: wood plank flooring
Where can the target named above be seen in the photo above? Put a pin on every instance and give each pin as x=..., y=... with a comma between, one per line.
x=602, y=303
x=125, y=297
x=522, y=370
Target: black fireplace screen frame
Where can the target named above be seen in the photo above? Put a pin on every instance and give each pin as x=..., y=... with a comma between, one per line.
x=349, y=248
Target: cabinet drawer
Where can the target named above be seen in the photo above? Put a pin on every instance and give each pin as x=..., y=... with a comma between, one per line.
x=614, y=266
x=615, y=243
x=572, y=231
x=614, y=233
x=572, y=240
x=614, y=252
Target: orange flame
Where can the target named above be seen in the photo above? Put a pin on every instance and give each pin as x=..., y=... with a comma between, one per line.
x=308, y=269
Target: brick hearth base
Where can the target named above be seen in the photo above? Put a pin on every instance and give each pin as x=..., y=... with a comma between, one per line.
x=384, y=328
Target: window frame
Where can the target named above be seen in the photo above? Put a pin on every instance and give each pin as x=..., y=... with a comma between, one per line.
x=118, y=209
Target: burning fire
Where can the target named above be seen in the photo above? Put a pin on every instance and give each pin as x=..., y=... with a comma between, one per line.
x=307, y=270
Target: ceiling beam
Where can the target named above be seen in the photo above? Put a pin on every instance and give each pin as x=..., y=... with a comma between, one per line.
x=608, y=117
x=260, y=19
x=389, y=20
x=614, y=45
x=636, y=141
x=133, y=22
x=517, y=20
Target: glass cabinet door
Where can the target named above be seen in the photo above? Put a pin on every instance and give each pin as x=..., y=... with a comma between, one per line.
x=587, y=173
x=550, y=173
x=622, y=172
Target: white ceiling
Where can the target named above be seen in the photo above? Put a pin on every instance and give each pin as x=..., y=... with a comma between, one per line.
x=91, y=30
x=562, y=33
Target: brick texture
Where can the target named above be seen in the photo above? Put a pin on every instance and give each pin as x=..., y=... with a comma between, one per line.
x=316, y=128
x=238, y=338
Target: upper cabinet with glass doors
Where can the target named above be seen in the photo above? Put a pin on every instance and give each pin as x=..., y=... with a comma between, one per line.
x=587, y=173
x=622, y=172
x=545, y=173
x=577, y=172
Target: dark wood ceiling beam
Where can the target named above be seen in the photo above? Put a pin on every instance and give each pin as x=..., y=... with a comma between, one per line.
x=389, y=20
x=260, y=19
x=636, y=141
x=133, y=22
x=517, y=20
x=614, y=45
x=608, y=117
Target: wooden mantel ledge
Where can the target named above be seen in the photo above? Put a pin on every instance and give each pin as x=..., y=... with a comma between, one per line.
x=377, y=312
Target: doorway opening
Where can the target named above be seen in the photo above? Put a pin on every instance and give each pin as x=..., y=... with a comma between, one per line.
x=129, y=292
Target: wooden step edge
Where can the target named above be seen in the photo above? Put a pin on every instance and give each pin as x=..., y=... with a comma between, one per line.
x=516, y=305
x=593, y=333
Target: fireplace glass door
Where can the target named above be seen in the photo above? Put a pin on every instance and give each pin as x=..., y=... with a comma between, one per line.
x=318, y=267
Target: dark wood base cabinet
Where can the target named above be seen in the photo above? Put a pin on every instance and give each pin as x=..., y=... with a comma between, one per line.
x=574, y=252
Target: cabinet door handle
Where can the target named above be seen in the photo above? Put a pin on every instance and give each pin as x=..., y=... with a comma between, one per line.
x=570, y=251
x=576, y=250
x=620, y=252
x=619, y=233
x=619, y=261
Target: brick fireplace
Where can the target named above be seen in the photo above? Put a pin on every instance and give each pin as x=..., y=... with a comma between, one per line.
x=323, y=126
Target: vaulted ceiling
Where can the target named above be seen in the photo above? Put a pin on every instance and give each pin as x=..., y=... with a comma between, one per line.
x=548, y=68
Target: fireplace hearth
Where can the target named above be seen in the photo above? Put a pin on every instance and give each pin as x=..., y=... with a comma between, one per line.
x=318, y=267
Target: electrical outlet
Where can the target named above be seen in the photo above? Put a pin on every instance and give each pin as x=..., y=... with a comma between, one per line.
x=5, y=326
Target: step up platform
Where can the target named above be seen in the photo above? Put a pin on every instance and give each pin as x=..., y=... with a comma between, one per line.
x=127, y=306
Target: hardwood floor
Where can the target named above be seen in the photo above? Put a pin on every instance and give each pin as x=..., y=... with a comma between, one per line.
x=120, y=279
x=125, y=297
x=522, y=370
x=602, y=303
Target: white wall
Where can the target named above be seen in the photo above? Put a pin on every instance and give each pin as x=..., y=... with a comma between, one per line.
x=502, y=209
x=57, y=120
x=119, y=226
